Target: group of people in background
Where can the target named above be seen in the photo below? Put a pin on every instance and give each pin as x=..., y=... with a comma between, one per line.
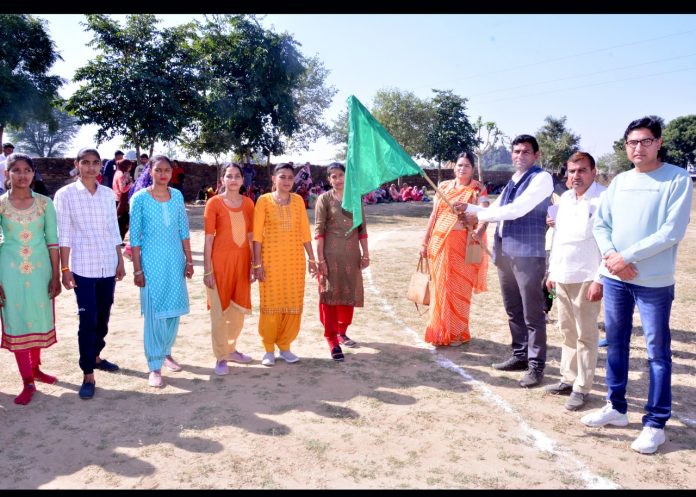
x=618, y=243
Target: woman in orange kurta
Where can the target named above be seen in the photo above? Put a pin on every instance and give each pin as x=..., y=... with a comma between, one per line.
x=227, y=265
x=281, y=231
x=445, y=245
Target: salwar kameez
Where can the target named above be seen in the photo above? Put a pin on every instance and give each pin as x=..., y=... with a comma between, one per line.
x=158, y=228
x=230, y=301
x=282, y=231
x=342, y=289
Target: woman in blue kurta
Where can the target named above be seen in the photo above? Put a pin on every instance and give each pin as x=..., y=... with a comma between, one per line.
x=161, y=259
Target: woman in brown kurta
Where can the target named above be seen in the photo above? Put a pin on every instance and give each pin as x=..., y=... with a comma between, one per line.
x=342, y=255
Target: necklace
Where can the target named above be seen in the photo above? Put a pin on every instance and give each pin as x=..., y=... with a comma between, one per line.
x=278, y=201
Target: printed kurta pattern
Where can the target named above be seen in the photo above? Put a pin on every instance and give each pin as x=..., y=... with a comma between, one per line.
x=158, y=229
x=282, y=231
x=452, y=281
x=344, y=284
x=28, y=318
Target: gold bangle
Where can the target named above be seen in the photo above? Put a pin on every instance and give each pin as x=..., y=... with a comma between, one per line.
x=257, y=266
x=64, y=269
x=207, y=274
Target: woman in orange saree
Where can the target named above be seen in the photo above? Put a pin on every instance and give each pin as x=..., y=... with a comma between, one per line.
x=445, y=245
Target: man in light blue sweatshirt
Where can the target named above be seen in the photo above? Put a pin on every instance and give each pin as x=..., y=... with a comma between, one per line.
x=639, y=224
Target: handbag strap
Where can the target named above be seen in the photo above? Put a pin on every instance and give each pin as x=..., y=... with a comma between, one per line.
x=420, y=265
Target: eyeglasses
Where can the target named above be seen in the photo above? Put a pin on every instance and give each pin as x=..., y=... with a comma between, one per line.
x=646, y=142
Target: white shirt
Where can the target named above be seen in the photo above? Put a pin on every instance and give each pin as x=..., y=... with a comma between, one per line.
x=575, y=256
x=539, y=188
x=87, y=224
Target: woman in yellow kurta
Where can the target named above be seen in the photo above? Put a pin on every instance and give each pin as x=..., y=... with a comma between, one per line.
x=281, y=231
x=445, y=245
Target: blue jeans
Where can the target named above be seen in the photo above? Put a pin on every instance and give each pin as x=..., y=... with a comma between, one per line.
x=654, y=306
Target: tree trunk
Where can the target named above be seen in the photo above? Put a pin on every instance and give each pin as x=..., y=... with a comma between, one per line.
x=152, y=148
x=439, y=171
x=2, y=130
x=479, y=168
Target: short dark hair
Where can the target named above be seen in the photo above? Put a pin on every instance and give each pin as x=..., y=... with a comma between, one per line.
x=578, y=156
x=118, y=152
x=526, y=139
x=7, y=144
x=144, y=155
x=653, y=123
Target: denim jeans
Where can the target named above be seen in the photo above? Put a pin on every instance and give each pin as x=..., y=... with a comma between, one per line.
x=654, y=306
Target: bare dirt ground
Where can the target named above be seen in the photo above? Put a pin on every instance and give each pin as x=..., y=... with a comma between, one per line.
x=396, y=414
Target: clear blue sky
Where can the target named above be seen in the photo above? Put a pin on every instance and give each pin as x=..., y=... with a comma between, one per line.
x=599, y=70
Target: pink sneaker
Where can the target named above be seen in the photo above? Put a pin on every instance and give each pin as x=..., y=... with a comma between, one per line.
x=155, y=379
x=171, y=364
x=221, y=368
x=237, y=356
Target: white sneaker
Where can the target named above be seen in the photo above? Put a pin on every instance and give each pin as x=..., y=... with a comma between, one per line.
x=288, y=356
x=268, y=359
x=155, y=379
x=649, y=440
x=237, y=356
x=221, y=368
x=607, y=415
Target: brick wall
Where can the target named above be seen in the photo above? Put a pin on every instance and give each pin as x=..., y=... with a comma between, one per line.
x=55, y=172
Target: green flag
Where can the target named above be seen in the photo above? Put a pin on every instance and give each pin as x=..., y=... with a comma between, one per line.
x=374, y=157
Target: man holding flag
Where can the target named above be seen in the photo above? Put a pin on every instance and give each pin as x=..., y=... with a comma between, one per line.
x=520, y=256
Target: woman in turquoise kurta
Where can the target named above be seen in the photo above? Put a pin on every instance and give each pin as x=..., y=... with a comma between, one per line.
x=29, y=276
x=161, y=261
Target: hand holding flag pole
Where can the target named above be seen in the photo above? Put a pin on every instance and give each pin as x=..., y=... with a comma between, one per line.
x=373, y=158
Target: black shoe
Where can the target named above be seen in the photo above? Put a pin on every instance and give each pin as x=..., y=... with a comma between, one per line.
x=531, y=378
x=559, y=388
x=87, y=390
x=105, y=365
x=511, y=364
x=337, y=354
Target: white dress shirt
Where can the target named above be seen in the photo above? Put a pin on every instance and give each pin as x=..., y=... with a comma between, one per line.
x=87, y=224
x=575, y=256
x=539, y=188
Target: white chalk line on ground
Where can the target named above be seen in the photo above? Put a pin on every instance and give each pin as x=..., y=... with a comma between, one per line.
x=542, y=442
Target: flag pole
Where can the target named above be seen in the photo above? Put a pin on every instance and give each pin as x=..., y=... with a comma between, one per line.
x=442, y=197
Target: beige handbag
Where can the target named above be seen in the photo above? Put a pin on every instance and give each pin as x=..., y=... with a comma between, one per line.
x=419, y=286
x=474, y=250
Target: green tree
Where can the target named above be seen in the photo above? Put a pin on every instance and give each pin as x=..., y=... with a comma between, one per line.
x=497, y=155
x=406, y=117
x=679, y=140
x=620, y=162
x=556, y=143
x=450, y=132
x=143, y=84
x=487, y=135
x=254, y=78
x=338, y=134
x=313, y=97
x=44, y=139
x=27, y=91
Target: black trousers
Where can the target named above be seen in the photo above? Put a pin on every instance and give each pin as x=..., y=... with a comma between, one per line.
x=94, y=299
